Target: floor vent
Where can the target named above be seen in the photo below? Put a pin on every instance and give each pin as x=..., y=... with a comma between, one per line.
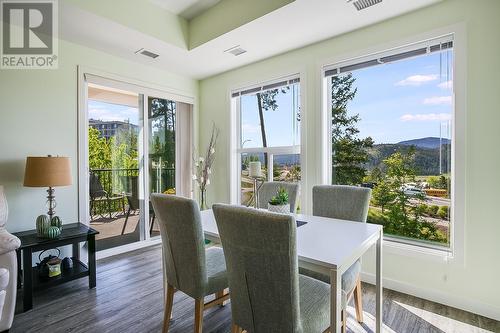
x=363, y=4
x=147, y=53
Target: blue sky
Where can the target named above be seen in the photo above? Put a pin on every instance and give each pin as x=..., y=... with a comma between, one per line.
x=400, y=101
x=112, y=112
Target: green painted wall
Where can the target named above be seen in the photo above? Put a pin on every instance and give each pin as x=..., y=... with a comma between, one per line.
x=228, y=15
x=38, y=116
x=142, y=16
x=473, y=284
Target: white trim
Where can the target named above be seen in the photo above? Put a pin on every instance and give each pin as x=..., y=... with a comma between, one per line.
x=235, y=151
x=457, y=227
x=127, y=248
x=144, y=90
x=142, y=87
x=456, y=301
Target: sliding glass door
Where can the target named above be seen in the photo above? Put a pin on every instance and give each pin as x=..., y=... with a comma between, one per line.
x=162, y=150
x=137, y=141
x=114, y=124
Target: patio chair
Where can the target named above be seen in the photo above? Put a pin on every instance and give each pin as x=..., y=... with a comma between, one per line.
x=131, y=184
x=98, y=194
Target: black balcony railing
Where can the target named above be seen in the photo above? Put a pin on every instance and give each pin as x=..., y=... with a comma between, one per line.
x=119, y=182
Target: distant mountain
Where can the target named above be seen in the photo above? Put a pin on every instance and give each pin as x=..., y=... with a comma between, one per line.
x=429, y=142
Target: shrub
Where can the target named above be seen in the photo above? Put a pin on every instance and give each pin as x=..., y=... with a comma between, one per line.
x=443, y=212
x=432, y=210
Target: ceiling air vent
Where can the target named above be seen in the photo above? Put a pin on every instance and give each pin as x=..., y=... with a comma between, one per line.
x=236, y=50
x=363, y=4
x=147, y=53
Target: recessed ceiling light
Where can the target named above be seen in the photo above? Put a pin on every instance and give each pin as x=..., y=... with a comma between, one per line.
x=363, y=4
x=147, y=53
x=236, y=50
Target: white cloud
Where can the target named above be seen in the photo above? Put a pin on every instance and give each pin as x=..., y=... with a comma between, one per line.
x=417, y=80
x=250, y=128
x=446, y=85
x=104, y=114
x=438, y=100
x=426, y=117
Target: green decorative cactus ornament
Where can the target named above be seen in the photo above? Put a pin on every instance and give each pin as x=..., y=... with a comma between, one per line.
x=53, y=232
x=42, y=224
x=56, y=222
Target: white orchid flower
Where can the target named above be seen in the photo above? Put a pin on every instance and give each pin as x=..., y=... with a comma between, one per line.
x=212, y=150
x=209, y=171
x=194, y=177
x=208, y=181
x=202, y=159
x=202, y=179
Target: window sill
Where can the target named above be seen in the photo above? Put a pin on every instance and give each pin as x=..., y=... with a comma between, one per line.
x=398, y=247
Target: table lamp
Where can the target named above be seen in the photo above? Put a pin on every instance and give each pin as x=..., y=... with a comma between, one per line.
x=48, y=172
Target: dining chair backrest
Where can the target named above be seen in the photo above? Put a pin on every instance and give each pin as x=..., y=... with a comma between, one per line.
x=269, y=189
x=341, y=202
x=262, y=266
x=183, y=243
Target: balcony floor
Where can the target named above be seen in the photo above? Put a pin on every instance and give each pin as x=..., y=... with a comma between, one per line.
x=110, y=230
x=129, y=297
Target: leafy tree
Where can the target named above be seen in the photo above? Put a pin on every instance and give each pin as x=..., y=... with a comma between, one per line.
x=349, y=152
x=267, y=101
x=382, y=194
x=99, y=151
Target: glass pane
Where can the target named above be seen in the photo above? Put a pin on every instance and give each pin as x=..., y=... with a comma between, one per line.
x=114, y=126
x=247, y=192
x=286, y=168
x=391, y=131
x=271, y=118
x=161, y=127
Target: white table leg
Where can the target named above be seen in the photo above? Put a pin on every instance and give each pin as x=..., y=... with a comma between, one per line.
x=335, y=301
x=378, y=321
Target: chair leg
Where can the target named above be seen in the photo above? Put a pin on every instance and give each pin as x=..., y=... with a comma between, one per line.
x=198, y=315
x=169, y=302
x=152, y=225
x=220, y=294
x=126, y=220
x=344, y=321
x=358, y=302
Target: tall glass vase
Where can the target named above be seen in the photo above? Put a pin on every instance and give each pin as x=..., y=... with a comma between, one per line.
x=203, y=199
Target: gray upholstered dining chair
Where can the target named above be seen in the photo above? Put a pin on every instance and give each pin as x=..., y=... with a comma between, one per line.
x=268, y=190
x=345, y=203
x=267, y=292
x=189, y=267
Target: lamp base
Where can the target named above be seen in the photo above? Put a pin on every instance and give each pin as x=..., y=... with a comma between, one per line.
x=51, y=202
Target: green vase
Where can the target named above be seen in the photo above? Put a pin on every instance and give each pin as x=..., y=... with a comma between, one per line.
x=56, y=222
x=42, y=224
x=203, y=201
x=53, y=232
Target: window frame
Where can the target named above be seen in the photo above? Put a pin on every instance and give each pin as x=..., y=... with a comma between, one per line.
x=235, y=145
x=398, y=246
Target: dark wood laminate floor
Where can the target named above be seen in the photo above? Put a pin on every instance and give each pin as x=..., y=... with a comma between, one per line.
x=128, y=298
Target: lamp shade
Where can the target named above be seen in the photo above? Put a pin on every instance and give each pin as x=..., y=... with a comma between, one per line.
x=47, y=171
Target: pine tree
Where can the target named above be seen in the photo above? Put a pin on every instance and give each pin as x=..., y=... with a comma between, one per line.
x=349, y=152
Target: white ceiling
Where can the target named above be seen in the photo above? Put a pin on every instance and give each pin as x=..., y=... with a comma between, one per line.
x=185, y=8
x=295, y=25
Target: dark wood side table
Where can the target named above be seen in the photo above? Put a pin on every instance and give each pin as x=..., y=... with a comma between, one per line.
x=73, y=234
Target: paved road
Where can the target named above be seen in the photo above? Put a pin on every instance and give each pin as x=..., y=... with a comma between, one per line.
x=438, y=201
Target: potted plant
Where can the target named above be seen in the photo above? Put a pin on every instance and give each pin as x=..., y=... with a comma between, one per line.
x=279, y=203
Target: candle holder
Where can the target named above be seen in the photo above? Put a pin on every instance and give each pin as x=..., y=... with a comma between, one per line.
x=256, y=189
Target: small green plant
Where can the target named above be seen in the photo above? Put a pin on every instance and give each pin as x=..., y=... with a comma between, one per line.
x=281, y=197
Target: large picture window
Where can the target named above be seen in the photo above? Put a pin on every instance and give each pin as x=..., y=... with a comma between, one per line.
x=391, y=129
x=269, y=132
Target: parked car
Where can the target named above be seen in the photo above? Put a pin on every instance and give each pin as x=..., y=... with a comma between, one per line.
x=413, y=191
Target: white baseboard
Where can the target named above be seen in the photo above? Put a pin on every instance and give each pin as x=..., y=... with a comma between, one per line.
x=127, y=248
x=466, y=304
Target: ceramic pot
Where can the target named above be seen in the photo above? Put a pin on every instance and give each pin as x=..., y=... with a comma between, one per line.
x=283, y=209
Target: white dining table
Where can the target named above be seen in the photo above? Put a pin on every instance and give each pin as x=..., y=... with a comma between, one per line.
x=329, y=246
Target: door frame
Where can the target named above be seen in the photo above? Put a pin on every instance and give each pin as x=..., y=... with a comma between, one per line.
x=142, y=88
